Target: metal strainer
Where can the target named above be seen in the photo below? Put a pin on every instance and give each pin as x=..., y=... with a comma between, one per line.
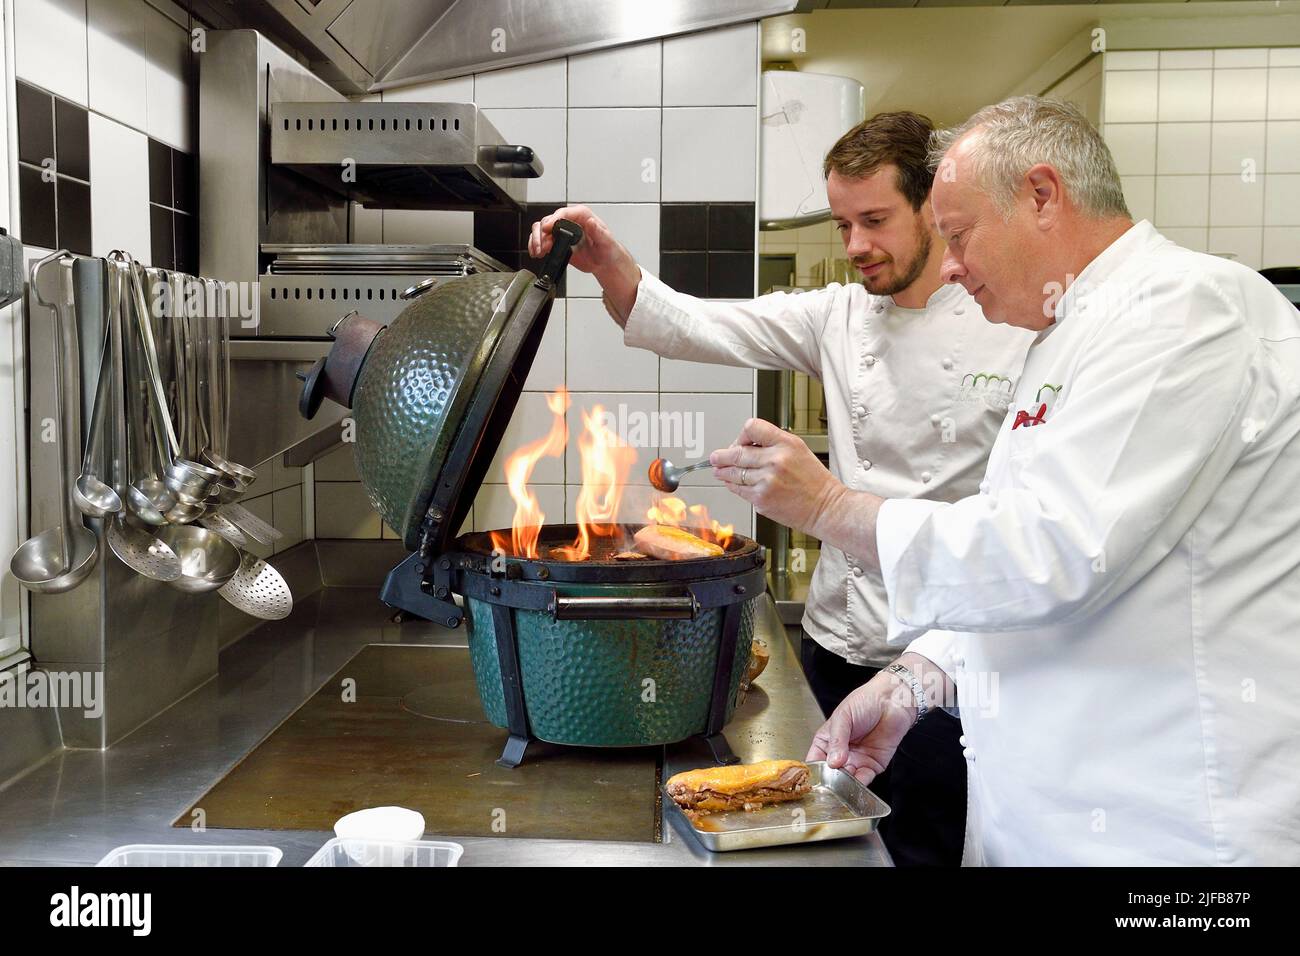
x=258, y=589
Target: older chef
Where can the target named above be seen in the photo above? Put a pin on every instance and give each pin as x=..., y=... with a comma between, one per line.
x=1118, y=608
x=916, y=387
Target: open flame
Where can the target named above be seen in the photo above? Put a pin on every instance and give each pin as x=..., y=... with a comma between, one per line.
x=606, y=464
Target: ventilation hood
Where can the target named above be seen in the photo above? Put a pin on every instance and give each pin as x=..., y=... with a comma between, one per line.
x=360, y=46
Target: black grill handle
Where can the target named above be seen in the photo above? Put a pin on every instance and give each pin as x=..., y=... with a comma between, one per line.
x=565, y=236
x=624, y=608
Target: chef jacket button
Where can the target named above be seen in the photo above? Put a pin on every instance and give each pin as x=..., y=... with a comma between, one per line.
x=969, y=754
x=984, y=487
x=857, y=572
x=934, y=419
x=959, y=662
x=947, y=363
x=862, y=409
x=870, y=360
x=962, y=740
x=866, y=465
x=926, y=476
x=960, y=310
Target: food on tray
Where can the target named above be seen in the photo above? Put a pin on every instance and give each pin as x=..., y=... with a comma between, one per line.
x=630, y=556
x=661, y=541
x=758, y=658
x=739, y=787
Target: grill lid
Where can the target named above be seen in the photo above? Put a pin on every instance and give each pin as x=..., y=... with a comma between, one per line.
x=432, y=393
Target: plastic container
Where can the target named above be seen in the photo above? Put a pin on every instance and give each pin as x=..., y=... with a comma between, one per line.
x=140, y=854
x=344, y=852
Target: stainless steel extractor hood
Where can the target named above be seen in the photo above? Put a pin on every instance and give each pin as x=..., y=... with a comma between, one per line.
x=365, y=45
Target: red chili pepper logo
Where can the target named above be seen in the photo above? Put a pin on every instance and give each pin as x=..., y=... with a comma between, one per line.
x=1022, y=417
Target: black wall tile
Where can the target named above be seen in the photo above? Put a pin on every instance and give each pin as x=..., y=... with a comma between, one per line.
x=731, y=227
x=185, y=182
x=38, y=227
x=35, y=124
x=683, y=227
x=496, y=229
x=74, y=215
x=72, y=139
x=161, y=242
x=685, y=271
x=731, y=275
x=160, y=173
x=187, y=243
x=533, y=212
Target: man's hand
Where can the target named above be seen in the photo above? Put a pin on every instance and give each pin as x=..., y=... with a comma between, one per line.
x=866, y=729
x=778, y=474
x=599, y=253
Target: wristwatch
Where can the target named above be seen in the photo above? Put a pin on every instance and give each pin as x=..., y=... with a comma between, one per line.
x=922, y=707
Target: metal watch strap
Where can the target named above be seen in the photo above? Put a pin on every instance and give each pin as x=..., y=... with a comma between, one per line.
x=922, y=707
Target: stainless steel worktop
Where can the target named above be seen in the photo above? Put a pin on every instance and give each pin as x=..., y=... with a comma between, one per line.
x=78, y=805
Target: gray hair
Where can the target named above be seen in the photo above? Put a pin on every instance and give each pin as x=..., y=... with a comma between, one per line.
x=1023, y=131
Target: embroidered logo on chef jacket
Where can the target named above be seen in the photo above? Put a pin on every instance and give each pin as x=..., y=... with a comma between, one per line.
x=987, y=388
x=1037, y=414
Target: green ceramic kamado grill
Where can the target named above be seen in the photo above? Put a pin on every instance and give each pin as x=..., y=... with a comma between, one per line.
x=597, y=653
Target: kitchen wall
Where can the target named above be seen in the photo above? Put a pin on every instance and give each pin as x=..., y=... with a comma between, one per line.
x=1208, y=144
x=661, y=140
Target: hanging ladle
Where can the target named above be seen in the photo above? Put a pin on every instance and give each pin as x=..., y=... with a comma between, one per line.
x=59, y=559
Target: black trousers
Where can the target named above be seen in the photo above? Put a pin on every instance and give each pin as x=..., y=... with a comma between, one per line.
x=925, y=783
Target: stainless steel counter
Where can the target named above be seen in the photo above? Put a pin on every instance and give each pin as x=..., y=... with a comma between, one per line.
x=78, y=805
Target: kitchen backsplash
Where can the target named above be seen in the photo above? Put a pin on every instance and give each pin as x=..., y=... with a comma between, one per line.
x=660, y=140
x=1208, y=145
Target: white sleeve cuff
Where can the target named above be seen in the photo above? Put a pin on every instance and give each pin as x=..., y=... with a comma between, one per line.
x=651, y=323
x=896, y=525
x=937, y=647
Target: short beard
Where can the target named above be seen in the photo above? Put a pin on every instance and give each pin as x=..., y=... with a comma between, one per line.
x=912, y=271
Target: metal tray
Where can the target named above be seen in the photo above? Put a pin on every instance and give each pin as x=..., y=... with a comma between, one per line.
x=837, y=807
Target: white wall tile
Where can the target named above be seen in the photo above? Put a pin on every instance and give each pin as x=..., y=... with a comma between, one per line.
x=1284, y=93
x=494, y=509
x=700, y=423
x=1186, y=96
x=1182, y=201
x=1236, y=59
x=1284, y=56
x=634, y=419
x=1231, y=144
x=457, y=90
x=1240, y=94
x=1133, y=146
x=1281, y=246
x=597, y=359
x=1183, y=148
x=1131, y=97
x=1140, y=195
x=623, y=76
x=532, y=85
x=712, y=68
x=547, y=373
x=367, y=224
x=1186, y=59
x=1282, y=200
x=119, y=201
x=50, y=46
x=1283, y=147
x=1245, y=243
x=709, y=154
x=343, y=511
x=169, y=93
x=545, y=130
x=1236, y=203
x=531, y=422
x=636, y=226
x=1194, y=239
x=338, y=465
x=286, y=511
x=1132, y=60
x=421, y=226
x=117, y=66
x=615, y=155
x=678, y=376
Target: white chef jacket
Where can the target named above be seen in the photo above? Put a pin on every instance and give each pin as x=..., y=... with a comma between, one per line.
x=1127, y=581
x=914, y=398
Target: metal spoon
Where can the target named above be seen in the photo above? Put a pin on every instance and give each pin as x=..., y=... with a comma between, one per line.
x=59, y=559
x=213, y=330
x=93, y=497
x=665, y=476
